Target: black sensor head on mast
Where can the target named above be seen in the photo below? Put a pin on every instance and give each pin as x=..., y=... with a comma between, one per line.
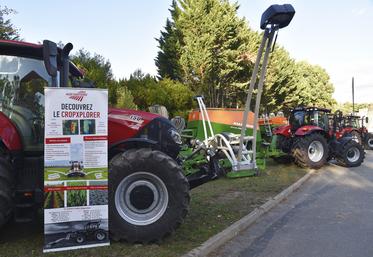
x=280, y=15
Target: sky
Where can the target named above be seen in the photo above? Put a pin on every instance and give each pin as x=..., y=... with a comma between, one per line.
x=333, y=34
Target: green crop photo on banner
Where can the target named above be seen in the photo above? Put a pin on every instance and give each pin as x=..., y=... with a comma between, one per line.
x=75, y=169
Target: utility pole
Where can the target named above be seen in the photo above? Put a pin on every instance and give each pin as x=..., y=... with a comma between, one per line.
x=353, y=96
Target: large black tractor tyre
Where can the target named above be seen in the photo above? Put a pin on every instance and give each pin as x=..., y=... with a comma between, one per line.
x=284, y=144
x=148, y=196
x=6, y=191
x=369, y=141
x=356, y=137
x=351, y=155
x=310, y=151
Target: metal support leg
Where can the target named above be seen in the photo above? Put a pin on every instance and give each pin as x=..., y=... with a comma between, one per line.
x=266, y=42
x=260, y=88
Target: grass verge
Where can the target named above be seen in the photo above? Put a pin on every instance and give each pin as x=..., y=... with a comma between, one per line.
x=214, y=206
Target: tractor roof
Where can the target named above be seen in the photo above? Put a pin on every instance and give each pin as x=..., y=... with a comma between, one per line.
x=306, y=109
x=30, y=50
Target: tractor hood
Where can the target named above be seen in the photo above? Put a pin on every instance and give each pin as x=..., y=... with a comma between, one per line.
x=135, y=120
x=130, y=117
x=131, y=125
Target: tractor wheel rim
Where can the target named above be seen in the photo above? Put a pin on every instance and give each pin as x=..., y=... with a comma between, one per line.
x=315, y=151
x=79, y=239
x=100, y=236
x=141, y=198
x=353, y=154
x=370, y=142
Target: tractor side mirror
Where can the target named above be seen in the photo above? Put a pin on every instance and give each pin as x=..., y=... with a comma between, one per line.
x=50, y=57
x=366, y=120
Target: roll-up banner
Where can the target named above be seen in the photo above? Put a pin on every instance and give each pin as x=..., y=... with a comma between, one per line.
x=75, y=169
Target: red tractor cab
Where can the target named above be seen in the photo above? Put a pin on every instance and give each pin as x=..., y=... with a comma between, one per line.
x=353, y=125
x=310, y=139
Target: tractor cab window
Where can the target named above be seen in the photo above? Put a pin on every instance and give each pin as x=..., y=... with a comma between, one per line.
x=318, y=118
x=297, y=119
x=22, y=82
x=355, y=123
x=351, y=122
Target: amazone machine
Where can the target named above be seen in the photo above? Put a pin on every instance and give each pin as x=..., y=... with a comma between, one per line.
x=241, y=151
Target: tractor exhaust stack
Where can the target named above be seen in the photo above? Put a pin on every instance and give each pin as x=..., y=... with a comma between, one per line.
x=64, y=75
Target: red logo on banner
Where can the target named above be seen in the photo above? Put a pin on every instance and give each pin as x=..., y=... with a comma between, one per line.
x=79, y=96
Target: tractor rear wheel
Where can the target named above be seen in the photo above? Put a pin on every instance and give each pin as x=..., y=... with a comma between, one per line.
x=369, y=141
x=148, y=196
x=352, y=154
x=356, y=137
x=6, y=191
x=310, y=151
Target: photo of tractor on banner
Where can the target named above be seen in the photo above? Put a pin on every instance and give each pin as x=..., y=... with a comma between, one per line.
x=69, y=234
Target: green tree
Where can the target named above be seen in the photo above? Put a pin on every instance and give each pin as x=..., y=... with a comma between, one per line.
x=120, y=96
x=179, y=98
x=7, y=30
x=346, y=107
x=313, y=87
x=98, y=70
x=215, y=51
x=147, y=91
x=95, y=68
x=212, y=47
x=169, y=48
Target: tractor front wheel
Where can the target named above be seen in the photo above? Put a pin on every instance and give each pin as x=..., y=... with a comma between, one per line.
x=6, y=191
x=352, y=154
x=148, y=196
x=310, y=151
x=369, y=141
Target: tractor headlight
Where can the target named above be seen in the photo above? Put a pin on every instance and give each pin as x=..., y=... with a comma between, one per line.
x=175, y=136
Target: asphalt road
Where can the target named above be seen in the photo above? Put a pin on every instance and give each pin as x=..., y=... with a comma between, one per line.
x=331, y=215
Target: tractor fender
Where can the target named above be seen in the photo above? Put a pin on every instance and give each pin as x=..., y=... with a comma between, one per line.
x=130, y=143
x=336, y=145
x=347, y=130
x=353, y=130
x=283, y=130
x=309, y=129
x=344, y=140
x=9, y=136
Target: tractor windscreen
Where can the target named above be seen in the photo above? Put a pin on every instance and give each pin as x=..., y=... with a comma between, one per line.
x=22, y=82
x=297, y=119
x=353, y=122
x=318, y=118
x=310, y=117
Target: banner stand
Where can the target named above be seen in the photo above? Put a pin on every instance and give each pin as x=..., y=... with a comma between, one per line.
x=75, y=169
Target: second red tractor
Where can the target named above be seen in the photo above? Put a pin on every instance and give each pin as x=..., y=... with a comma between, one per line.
x=311, y=140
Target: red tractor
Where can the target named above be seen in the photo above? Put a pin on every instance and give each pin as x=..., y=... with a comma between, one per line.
x=311, y=140
x=148, y=192
x=352, y=125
